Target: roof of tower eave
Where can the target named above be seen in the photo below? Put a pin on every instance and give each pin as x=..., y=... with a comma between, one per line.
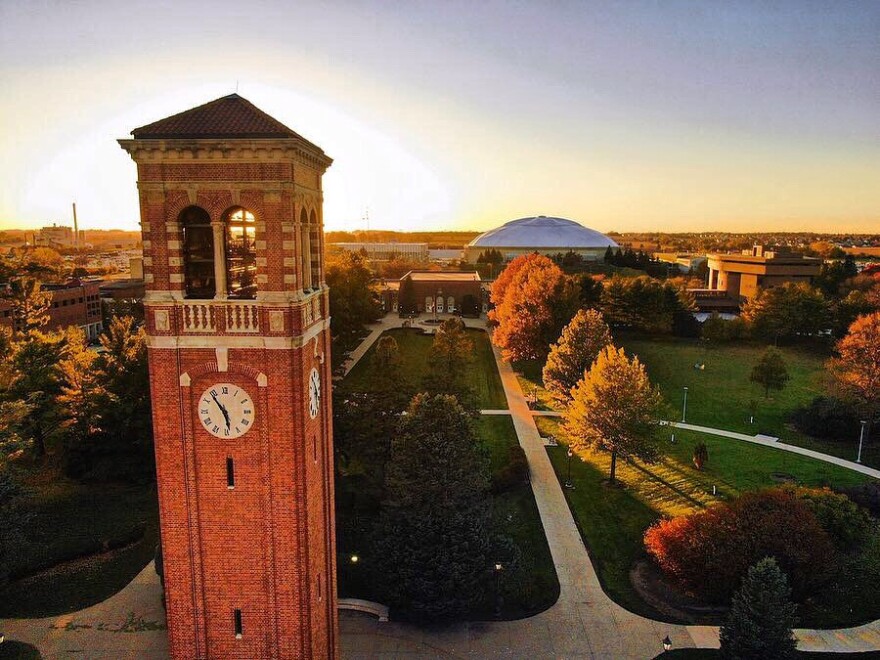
x=227, y=117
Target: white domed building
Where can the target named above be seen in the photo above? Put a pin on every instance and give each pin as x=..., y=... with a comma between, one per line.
x=542, y=234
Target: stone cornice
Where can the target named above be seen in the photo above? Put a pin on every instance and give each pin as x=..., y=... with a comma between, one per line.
x=267, y=150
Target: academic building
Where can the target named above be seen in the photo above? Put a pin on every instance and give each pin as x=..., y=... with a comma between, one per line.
x=741, y=275
x=73, y=303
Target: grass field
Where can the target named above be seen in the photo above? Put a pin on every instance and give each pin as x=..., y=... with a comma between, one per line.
x=527, y=588
x=482, y=374
x=612, y=520
x=83, y=544
x=721, y=395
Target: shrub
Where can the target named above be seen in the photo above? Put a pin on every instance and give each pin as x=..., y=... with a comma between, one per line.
x=827, y=417
x=710, y=551
x=701, y=455
x=514, y=473
x=718, y=330
x=865, y=495
x=847, y=525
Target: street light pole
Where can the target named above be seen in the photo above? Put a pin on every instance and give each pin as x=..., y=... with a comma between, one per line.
x=684, y=405
x=568, y=483
x=861, y=440
x=498, y=568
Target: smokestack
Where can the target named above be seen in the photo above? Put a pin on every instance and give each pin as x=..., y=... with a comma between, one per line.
x=75, y=229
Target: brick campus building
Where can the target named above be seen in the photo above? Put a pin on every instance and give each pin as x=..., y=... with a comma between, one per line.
x=238, y=343
x=73, y=303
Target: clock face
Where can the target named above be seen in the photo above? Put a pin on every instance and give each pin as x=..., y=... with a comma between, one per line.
x=226, y=410
x=314, y=393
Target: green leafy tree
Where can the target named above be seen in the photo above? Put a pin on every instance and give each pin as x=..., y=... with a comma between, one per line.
x=451, y=354
x=34, y=381
x=771, y=372
x=787, y=311
x=615, y=408
x=107, y=400
x=432, y=545
x=576, y=350
x=761, y=617
x=353, y=302
x=644, y=303
x=29, y=304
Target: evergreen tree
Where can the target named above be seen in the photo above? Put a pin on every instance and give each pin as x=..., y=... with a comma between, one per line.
x=761, y=617
x=576, y=350
x=609, y=255
x=406, y=297
x=432, y=539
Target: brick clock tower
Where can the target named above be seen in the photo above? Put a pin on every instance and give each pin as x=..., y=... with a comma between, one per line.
x=239, y=355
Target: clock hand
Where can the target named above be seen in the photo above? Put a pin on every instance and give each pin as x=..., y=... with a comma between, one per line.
x=222, y=409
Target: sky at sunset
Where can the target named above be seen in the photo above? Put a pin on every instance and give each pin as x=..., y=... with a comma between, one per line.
x=628, y=116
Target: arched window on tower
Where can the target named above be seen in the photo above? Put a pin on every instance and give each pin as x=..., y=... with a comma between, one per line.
x=315, y=251
x=305, y=251
x=241, y=254
x=198, y=253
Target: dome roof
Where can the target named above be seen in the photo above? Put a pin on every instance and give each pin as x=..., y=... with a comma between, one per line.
x=542, y=232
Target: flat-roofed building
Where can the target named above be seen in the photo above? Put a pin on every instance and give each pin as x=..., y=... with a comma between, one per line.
x=75, y=303
x=742, y=275
x=386, y=251
x=443, y=292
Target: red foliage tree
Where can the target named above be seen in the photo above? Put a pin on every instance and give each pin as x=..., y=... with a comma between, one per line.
x=533, y=301
x=709, y=552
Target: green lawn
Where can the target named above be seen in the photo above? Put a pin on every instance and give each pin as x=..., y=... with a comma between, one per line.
x=527, y=588
x=612, y=520
x=414, y=348
x=83, y=544
x=722, y=396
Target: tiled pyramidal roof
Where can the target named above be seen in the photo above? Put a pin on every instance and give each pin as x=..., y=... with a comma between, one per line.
x=227, y=117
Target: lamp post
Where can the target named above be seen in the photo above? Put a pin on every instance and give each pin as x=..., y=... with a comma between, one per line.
x=568, y=483
x=684, y=405
x=861, y=440
x=498, y=569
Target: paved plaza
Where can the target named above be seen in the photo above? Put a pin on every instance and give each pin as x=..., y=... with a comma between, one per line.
x=583, y=623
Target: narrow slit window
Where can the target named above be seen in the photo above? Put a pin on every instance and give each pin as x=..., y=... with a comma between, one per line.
x=315, y=447
x=230, y=473
x=237, y=621
x=320, y=587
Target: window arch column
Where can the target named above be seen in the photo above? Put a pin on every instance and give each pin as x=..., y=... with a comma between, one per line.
x=219, y=229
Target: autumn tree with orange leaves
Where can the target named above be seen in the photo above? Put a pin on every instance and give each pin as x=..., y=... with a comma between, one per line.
x=615, y=408
x=857, y=367
x=533, y=301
